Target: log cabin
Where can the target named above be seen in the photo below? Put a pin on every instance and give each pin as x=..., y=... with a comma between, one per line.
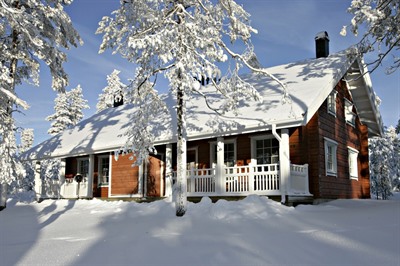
x=311, y=147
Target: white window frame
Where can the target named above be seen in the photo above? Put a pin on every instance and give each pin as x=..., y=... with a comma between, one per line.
x=79, y=164
x=100, y=170
x=331, y=103
x=330, y=145
x=348, y=112
x=254, y=146
x=353, y=163
x=213, y=153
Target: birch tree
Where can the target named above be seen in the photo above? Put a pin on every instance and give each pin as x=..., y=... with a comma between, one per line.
x=185, y=41
x=31, y=31
x=381, y=21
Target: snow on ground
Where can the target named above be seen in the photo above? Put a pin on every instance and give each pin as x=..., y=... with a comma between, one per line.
x=253, y=231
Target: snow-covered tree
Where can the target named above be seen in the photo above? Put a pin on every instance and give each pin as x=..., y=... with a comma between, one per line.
x=114, y=92
x=185, y=40
x=25, y=169
x=27, y=138
x=77, y=104
x=31, y=31
x=381, y=19
x=68, y=112
x=68, y=108
x=384, y=163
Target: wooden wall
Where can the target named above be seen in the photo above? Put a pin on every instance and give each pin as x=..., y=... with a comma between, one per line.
x=124, y=180
x=307, y=146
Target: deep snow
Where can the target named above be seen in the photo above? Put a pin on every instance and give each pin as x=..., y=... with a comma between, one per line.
x=253, y=231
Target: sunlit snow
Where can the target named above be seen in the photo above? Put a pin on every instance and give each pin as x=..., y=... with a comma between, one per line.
x=253, y=231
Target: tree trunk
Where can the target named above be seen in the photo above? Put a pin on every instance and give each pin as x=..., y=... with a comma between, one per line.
x=181, y=185
x=3, y=196
x=8, y=119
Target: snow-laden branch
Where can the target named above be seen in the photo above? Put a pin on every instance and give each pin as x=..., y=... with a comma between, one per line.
x=14, y=98
x=381, y=31
x=262, y=71
x=10, y=9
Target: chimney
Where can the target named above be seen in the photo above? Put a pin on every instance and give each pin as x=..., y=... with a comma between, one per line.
x=118, y=101
x=322, y=44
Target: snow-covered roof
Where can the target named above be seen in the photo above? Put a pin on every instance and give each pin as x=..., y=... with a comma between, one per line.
x=308, y=83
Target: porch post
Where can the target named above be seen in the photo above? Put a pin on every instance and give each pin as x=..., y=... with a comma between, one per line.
x=168, y=170
x=110, y=160
x=61, y=178
x=89, y=182
x=38, y=181
x=143, y=175
x=219, y=171
x=284, y=159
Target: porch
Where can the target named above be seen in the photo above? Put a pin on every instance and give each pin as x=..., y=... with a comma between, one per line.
x=264, y=179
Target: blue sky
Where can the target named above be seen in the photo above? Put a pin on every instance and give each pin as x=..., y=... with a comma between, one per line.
x=286, y=31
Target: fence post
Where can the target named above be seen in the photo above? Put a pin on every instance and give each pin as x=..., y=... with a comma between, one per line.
x=251, y=178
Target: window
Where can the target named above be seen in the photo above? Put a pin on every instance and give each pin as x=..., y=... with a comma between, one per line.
x=267, y=151
x=353, y=168
x=332, y=103
x=330, y=157
x=348, y=112
x=191, y=158
x=229, y=153
x=103, y=170
x=83, y=166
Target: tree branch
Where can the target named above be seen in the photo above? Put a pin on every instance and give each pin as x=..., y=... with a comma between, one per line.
x=257, y=70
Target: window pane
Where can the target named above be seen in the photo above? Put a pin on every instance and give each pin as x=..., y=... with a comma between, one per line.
x=104, y=170
x=267, y=151
x=84, y=167
x=229, y=154
x=330, y=158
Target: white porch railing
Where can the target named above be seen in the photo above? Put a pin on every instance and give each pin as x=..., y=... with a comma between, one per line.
x=71, y=189
x=245, y=180
x=298, y=179
x=68, y=189
x=251, y=179
x=47, y=188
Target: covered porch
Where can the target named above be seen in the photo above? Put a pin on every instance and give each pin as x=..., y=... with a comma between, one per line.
x=277, y=176
x=246, y=180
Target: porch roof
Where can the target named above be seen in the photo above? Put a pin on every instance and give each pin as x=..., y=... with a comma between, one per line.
x=309, y=83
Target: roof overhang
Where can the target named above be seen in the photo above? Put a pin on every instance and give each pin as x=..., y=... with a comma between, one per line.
x=364, y=98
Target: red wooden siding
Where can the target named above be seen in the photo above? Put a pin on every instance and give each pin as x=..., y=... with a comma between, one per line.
x=154, y=176
x=307, y=146
x=102, y=192
x=124, y=177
